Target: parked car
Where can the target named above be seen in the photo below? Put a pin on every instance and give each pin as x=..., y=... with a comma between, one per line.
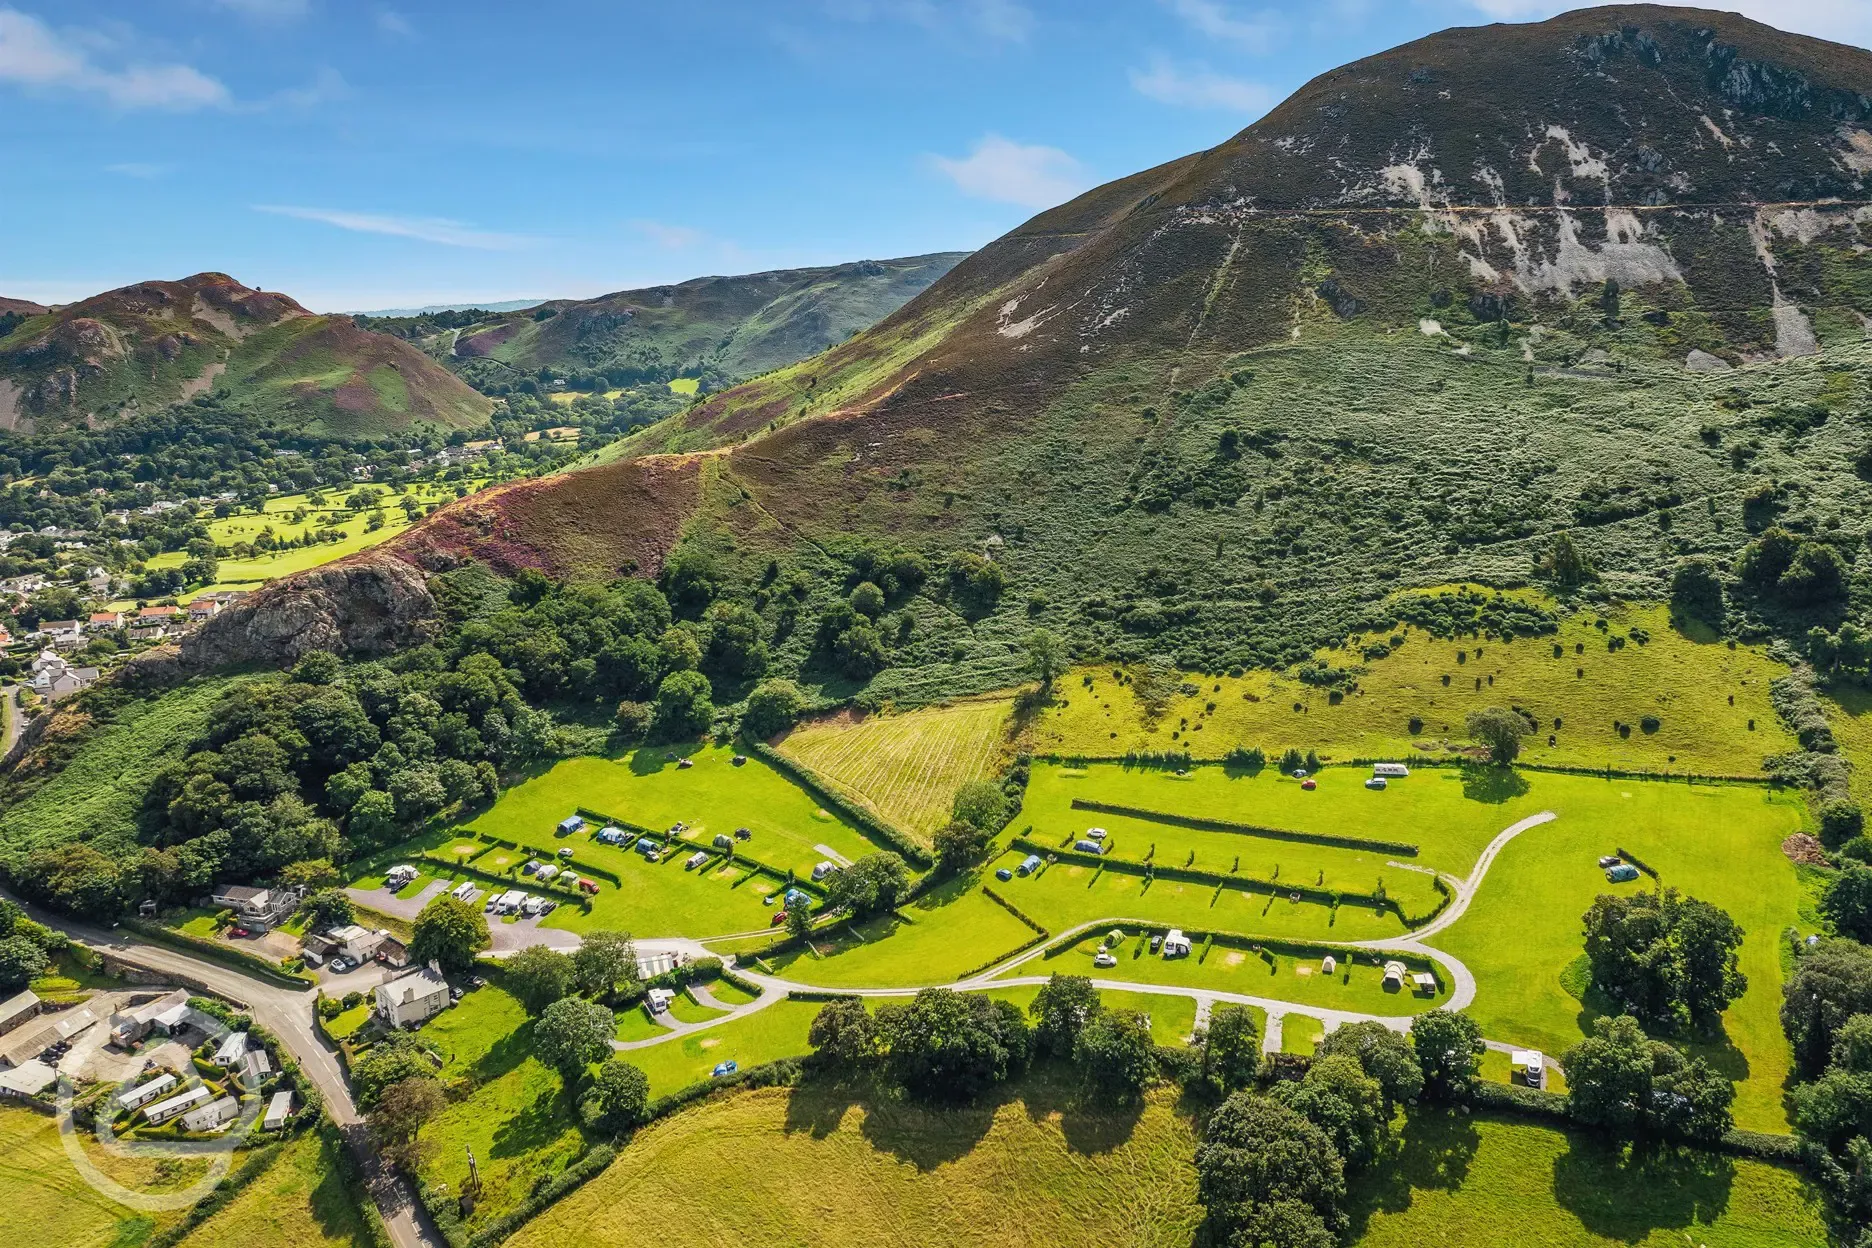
x=726, y=1068
x=340, y=965
x=1104, y=959
x=743, y=834
x=565, y=852
x=1377, y=782
x=1309, y=784
x=239, y=933
x=779, y=917
x=1156, y=942
x=1004, y=875
x=1300, y=773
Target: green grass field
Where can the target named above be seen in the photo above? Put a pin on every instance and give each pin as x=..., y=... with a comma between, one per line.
x=1300, y=1034
x=1277, y=976
x=1718, y=843
x=774, y=1031
x=943, y=935
x=299, y=1202
x=906, y=767
x=1482, y=1180
x=812, y=1166
x=1172, y=1019
x=1687, y=683
x=51, y=1203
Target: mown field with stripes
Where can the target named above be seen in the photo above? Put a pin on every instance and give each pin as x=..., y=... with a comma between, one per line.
x=906, y=767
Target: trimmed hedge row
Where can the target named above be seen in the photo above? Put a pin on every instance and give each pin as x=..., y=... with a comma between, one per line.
x=1292, y=948
x=858, y=815
x=1782, y=1150
x=1247, y=829
x=1194, y=875
x=213, y=951
x=1636, y=861
x=1012, y=909
x=1564, y=769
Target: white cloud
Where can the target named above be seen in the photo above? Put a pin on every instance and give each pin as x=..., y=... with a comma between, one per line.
x=34, y=56
x=670, y=237
x=391, y=22
x=439, y=230
x=327, y=87
x=139, y=169
x=267, y=10
x=1216, y=21
x=1014, y=173
x=1848, y=21
x=1198, y=86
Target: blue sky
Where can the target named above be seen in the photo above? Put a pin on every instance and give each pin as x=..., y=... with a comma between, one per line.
x=359, y=154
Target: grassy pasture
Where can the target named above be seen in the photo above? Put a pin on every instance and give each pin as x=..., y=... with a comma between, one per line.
x=774, y=1031
x=48, y=1202
x=1686, y=682
x=816, y=1166
x=1277, y=976
x=1300, y=1034
x=1172, y=1019
x=1720, y=843
x=906, y=767
x=943, y=935
x=299, y=1202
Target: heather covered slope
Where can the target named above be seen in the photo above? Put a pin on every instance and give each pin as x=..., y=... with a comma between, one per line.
x=722, y=329
x=1604, y=275
x=145, y=347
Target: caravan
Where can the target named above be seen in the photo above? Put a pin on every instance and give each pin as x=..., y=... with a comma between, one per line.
x=1390, y=771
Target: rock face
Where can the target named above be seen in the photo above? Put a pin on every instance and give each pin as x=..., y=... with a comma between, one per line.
x=369, y=604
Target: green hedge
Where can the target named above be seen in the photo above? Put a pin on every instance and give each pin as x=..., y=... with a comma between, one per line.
x=1194, y=875
x=863, y=819
x=1636, y=861
x=225, y=1191
x=1292, y=948
x=1012, y=909
x=1247, y=829
x=567, y=1181
x=1782, y=1150
x=213, y=951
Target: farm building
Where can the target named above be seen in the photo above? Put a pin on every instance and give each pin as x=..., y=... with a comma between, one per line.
x=16, y=1011
x=166, y=1015
x=144, y=1093
x=163, y=1111
x=393, y=953
x=215, y=1113
x=27, y=1080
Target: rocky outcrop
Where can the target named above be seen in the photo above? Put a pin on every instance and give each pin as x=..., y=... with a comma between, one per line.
x=370, y=604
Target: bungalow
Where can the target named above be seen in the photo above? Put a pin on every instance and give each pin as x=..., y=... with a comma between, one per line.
x=257, y=907
x=393, y=953
x=279, y=1109
x=17, y=1011
x=414, y=998
x=214, y=1114
x=144, y=1093
x=163, y=1111
x=104, y=621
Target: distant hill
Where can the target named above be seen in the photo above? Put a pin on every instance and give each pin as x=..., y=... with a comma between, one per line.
x=507, y=305
x=148, y=346
x=1605, y=276
x=21, y=306
x=721, y=329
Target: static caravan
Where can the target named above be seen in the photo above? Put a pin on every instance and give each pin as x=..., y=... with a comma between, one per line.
x=143, y=1094
x=1390, y=771
x=163, y=1111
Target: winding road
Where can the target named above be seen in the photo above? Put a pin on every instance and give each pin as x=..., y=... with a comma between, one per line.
x=288, y=1012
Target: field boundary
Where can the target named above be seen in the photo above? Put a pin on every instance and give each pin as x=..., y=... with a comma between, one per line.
x=214, y=951
x=1161, y=762
x=1350, y=954
x=1246, y=829
x=865, y=820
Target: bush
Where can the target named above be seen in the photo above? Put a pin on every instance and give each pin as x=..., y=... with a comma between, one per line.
x=772, y=708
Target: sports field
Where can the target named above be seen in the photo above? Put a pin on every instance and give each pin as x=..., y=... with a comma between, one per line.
x=906, y=767
x=1703, y=694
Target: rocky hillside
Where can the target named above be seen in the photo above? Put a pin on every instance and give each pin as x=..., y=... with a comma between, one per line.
x=147, y=346
x=720, y=329
x=1605, y=276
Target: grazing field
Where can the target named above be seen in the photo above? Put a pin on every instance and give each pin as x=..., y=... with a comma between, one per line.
x=1849, y=712
x=773, y=1031
x=943, y=935
x=906, y=767
x=46, y=1200
x=818, y=1166
x=1481, y=1180
x=1720, y=843
x=100, y=791
x=299, y=1202
x=1275, y=976
x=1686, y=682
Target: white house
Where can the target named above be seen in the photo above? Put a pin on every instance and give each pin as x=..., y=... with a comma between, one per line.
x=144, y=1093
x=360, y=944
x=213, y=1114
x=232, y=1050
x=53, y=679
x=257, y=908
x=163, y=1111
x=279, y=1109
x=63, y=632
x=413, y=998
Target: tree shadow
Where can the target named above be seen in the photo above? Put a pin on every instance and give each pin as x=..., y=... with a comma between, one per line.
x=949, y=891
x=818, y=1105
x=1089, y=1127
x=536, y=1126
x=1720, y=1052
x=1626, y=1192
x=1492, y=784
x=1433, y=1152
x=504, y=1056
